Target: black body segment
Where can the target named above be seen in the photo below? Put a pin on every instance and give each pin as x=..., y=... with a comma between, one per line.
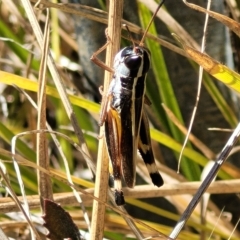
x=145, y=150
x=119, y=198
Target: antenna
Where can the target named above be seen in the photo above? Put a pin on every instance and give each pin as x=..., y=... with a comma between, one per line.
x=154, y=15
x=130, y=35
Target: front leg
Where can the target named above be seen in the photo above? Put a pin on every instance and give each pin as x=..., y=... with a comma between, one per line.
x=99, y=62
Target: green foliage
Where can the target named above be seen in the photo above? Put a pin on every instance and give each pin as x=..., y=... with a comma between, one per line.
x=20, y=68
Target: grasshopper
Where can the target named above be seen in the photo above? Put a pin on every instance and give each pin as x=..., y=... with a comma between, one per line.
x=126, y=123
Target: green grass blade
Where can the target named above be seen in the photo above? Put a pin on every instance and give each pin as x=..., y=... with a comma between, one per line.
x=15, y=44
x=26, y=84
x=190, y=170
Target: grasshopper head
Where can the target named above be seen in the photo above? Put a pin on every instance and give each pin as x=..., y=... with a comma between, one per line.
x=134, y=59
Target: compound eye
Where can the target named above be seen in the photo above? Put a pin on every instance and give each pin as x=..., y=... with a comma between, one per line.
x=133, y=62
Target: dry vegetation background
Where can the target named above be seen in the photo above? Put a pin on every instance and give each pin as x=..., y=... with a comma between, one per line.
x=49, y=110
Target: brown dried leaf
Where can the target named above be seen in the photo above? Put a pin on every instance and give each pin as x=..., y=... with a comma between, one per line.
x=59, y=223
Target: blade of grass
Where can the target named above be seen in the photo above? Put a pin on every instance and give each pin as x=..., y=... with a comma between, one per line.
x=15, y=45
x=221, y=72
x=218, y=98
x=26, y=84
x=166, y=92
x=44, y=181
x=190, y=153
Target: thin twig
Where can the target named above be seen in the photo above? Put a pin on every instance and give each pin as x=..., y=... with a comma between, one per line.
x=200, y=80
x=207, y=181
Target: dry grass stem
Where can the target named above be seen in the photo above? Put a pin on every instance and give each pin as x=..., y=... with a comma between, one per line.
x=199, y=144
x=57, y=79
x=44, y=181
x=101, y=185
x=141, y=191
x=101, y=16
